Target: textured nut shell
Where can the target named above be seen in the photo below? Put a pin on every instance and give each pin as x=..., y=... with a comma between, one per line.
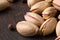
x=37, y=19
x=56, y=4
x=32, y=2
x=26, y=28
x=4, y=4
x=58, y=29
x=40, y=6
x=50, y=12
x=48, y=26
x=49, y=0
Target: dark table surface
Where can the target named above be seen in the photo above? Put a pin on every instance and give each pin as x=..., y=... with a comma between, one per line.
x=12, y=15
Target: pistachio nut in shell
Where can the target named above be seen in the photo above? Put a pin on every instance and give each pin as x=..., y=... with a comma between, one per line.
x=34, y=18
x=26, y=28
x=4, y=4
x=56, y=4
x=48, y=26
x=58, y=29
x=40, y=6
x=32, y=2
x=49, y=12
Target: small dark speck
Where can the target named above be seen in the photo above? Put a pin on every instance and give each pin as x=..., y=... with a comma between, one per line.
x=11, y=27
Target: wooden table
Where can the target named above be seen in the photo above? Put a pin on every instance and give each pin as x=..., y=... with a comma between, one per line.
x=12, y=15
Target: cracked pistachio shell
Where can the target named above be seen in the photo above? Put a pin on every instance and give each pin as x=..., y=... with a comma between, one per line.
x=34, y=18
x=40, y=6
x=58, y=29
x=4, y=4
x=49, y=12
x=48, y=26
x=32, y=2
x=26, y=28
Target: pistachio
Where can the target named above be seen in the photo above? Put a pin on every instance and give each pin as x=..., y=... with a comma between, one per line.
x=58, y=29
x=4, y=4
x=48, y=26
x=34, y=18
x=56, y=4
x=40, y=6
x=32, y=2
x=27, y=28
x=49, y=12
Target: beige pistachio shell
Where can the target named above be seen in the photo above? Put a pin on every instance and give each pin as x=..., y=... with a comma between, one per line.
x=26, y=28
x=32, y=2
x=58, y=29
x=56, y=4
x=34, y=18
x=49, y=0
x=4, y=4
x=48, y=26
x=40, y=6
x=49, y=12
x=59, y=16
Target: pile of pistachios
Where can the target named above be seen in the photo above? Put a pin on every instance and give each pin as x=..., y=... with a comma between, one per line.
x=41, y=19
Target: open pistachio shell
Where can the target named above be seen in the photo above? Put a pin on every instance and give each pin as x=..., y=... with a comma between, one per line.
x=26, y=28
x=48, y=26
x=40, y=6
x=34, y=18
x=49, y=12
